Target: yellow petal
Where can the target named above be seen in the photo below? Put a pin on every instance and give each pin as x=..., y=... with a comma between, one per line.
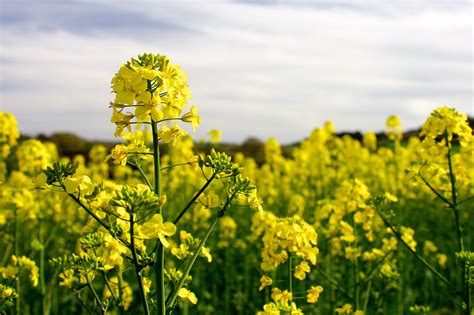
x=156, y=219
x=156, y=114
x=168, y=229
x=71, y=185
x=144, y=98
x=125, y=97
x=163, y=240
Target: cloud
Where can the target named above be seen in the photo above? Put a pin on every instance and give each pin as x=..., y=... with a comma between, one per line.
x=278, y=69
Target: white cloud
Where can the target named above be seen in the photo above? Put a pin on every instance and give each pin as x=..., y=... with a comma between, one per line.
x=262, y=70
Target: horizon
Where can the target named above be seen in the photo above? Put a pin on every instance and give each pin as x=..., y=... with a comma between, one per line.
x=198, y=140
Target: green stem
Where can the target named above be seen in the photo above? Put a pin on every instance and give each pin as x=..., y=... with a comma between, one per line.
x=290, y=275
x=334, y=284
x=465, y=200
x=143, y=298
x=174, y=165
x=139, y=153
x=373, y=270
x=96, y=297
x=467, y=287
x=458, y=224
x=454, y=201
x=120, y=290
x=6, y=254
x=196, y=196
x=357, y=287
x=168, y=119
x=436, y=192
x=17, y=253
x=421, y=259
x=367, y=296
x=183, y=278
x=83, y=304
x=144, y=177
x=93, y=215
x=160, y=257
x=42, y=277
x=107, y=284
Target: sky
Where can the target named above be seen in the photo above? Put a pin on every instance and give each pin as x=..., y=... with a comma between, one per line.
x=256, y=68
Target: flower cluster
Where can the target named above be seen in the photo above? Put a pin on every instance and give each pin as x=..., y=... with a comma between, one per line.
x=21, y=266
x=155, y=87
x=33, y=156
x=289, y=237
x=282, y=304
x=8, y=133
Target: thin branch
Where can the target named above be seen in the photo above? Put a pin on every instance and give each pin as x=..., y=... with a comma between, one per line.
x=334, y=283
x=143, y=298
x=171, y=166
x=467, y=199
x=145, y=178
x=421, y=259
x=196, y=196
x=436, y=192
x=171, y=300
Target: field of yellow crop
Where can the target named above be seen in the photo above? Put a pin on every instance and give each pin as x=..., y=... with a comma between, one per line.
x=337, y=226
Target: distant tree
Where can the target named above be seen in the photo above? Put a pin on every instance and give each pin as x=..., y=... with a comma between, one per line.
x=253, y=147
x=68, y=144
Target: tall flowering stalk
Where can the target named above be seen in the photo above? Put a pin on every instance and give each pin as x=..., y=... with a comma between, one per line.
x=149, y=91
x=447, y=142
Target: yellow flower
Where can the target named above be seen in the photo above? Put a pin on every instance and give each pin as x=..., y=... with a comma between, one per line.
x=155, y=228
x=394, y=128
x=146, y=285
x=347, y=232
x=168, y=135
x=391, y=197
x=186, y=294
x=407, y=236
x=448, y=120
x=135, y=144
x=142, y=112
x=192, y=117
x=121, y=121
x=282, y=297
x=254, y=201
x=180, y=252
x=352, y=253
x=286, y=297
x=82, y=183
x=40, y=180
x=119, y=154
x=442, y=259
x=276, y=294
x=120, y=286
x=301, y=270
x=329, y=127
x=270, y=309
x=19, y=265
x=7, y=292
x=313, y=294
x=370, y=140
x=206, y=253
x=265, y=281
x=429, y=248
x=8, y=133
x=33, y=156
x=215, y=135
x=346, y=309
x=68, y=278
